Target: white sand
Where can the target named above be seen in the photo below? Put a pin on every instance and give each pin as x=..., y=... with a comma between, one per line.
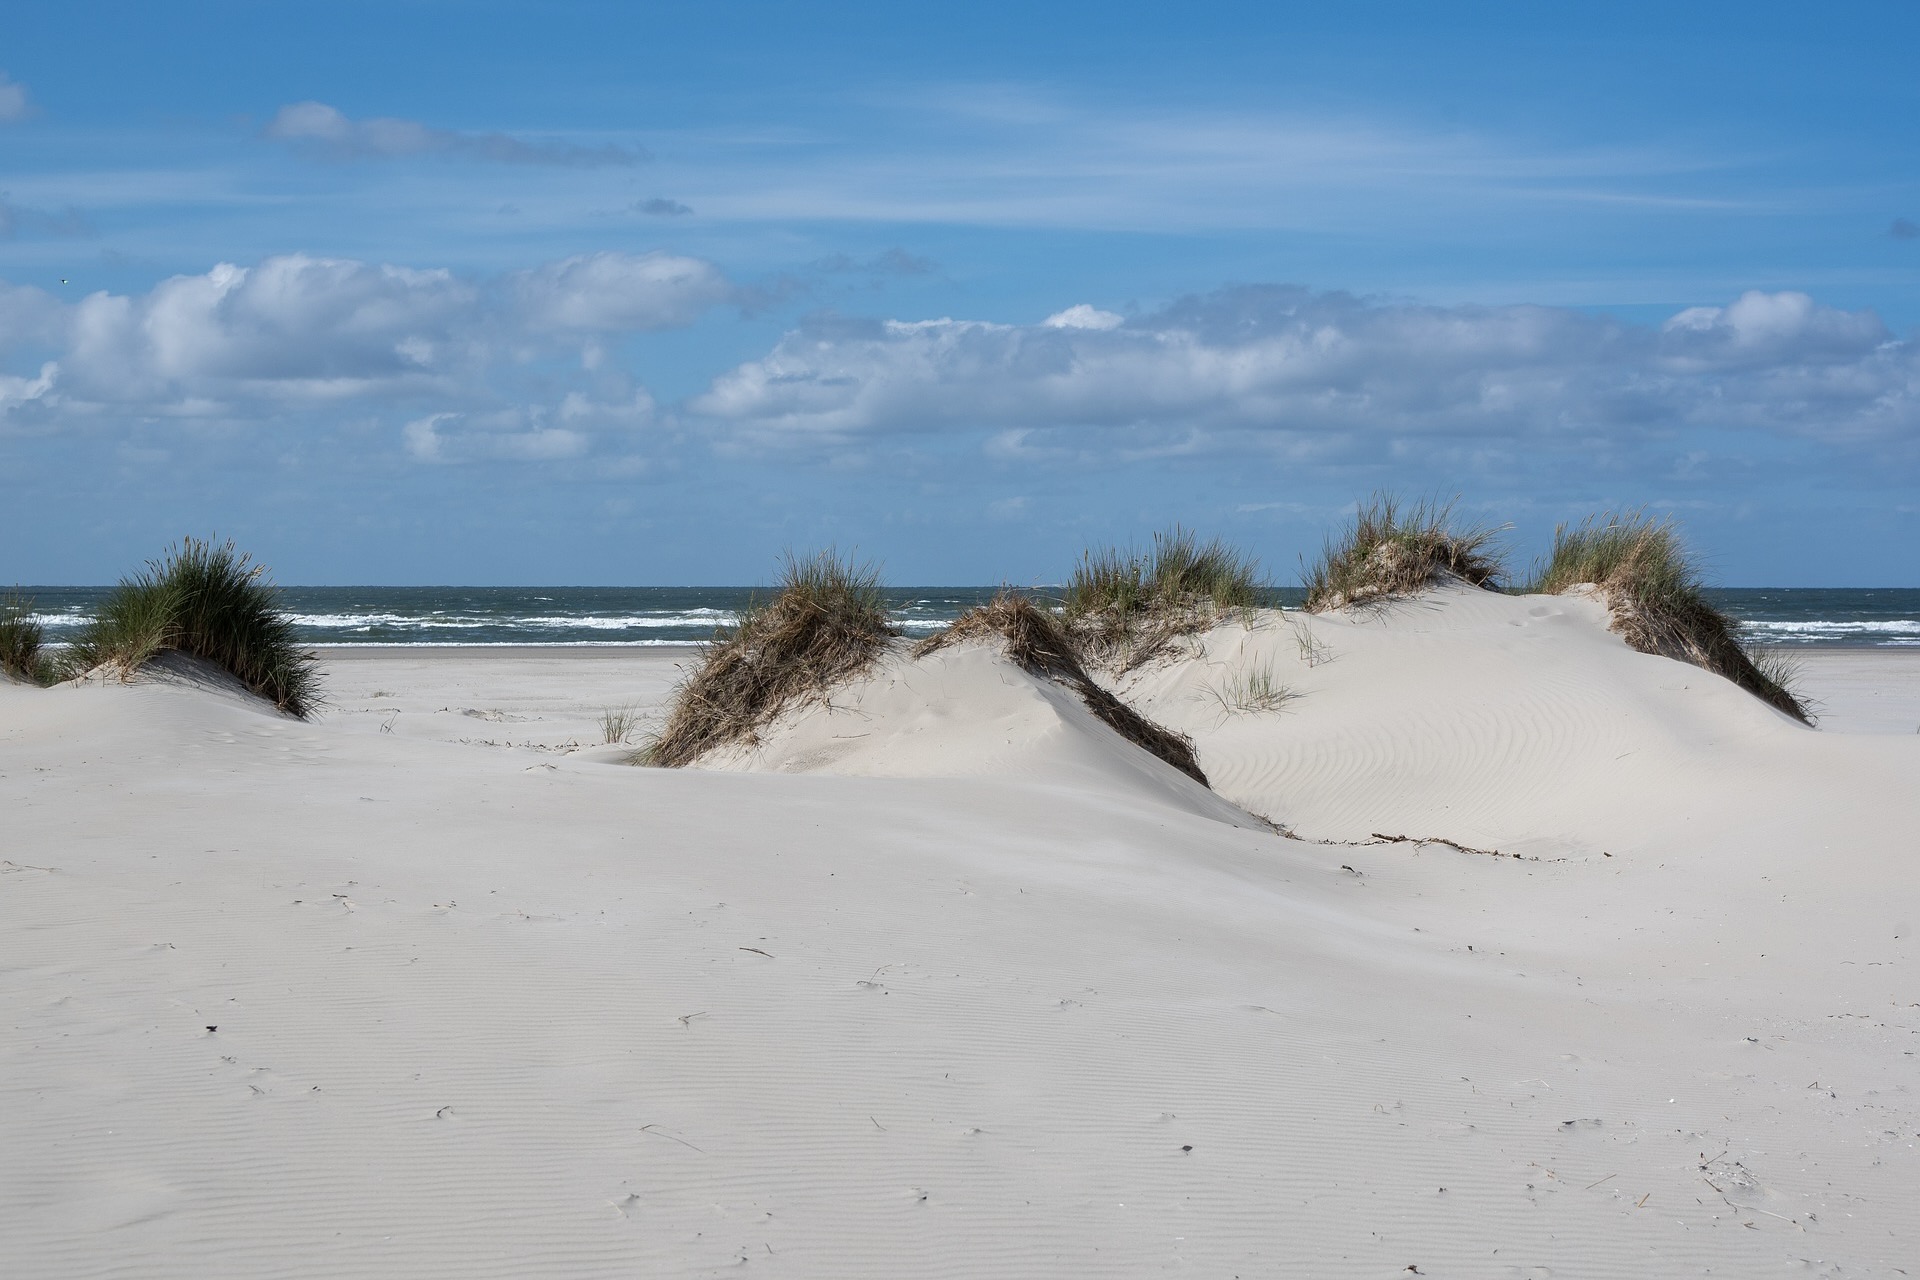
x=488, y=1006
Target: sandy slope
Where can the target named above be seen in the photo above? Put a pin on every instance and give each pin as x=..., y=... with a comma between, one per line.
x=509, y=1010
x=967, y=711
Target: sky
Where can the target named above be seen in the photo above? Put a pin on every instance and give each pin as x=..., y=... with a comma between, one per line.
x=628, y=293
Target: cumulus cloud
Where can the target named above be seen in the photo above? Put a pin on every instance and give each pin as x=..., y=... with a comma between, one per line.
x=1288, y=362
x=530, y=366
x=453, y=437
x=603, y=291
x=1083, y=316
x=530, y=433
x=15, y=391
x=291, y=328
x=513, y=367
x=15, y=106
x=319, y=129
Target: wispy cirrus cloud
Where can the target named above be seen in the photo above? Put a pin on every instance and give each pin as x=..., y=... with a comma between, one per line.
x=1007, y=156
x=18, y=219
x=317, y=129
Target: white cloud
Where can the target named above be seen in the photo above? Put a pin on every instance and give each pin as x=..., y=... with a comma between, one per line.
x=15, y=391
x=14, y=103
x=291, y=328
x=618, y=291
x=1769, y=326
x=1286, y=362
x=516, y=367
x=1084, y=317
x=530, y=366
x=320, y=129
x=454, y=437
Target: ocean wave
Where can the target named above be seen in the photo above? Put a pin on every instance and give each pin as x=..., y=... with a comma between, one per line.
x=507, y=644
x=1886, y=626
x=702, y=620
x=482, y=622
x=694, y=618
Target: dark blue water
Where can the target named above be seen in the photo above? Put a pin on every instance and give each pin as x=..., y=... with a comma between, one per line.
x=687, y=615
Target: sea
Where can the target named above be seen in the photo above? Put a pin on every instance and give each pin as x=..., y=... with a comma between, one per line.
x=579, y=616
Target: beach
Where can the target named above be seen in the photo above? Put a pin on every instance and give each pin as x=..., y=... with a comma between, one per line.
x=1495, y=949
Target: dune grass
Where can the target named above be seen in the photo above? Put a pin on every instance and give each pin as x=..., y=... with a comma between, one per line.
x=617, y=724
x=1032, y=637
x=1652, y=588
x=1122, y=606
x=827, y=624
x=23, y=654
x=209, y=602
x=1388, y=551
x=1253, y=689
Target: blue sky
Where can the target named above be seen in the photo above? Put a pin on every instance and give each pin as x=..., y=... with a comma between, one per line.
x=627, y=293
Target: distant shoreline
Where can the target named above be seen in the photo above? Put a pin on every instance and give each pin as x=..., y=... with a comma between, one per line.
x=588, y=648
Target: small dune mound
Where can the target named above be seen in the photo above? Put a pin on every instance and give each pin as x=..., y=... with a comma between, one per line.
x=1034, y=640
x=1386, y=552
x=1642, y=571
x=1122, y=608
x=208, y=602
x=22, y=652
x=827, y=625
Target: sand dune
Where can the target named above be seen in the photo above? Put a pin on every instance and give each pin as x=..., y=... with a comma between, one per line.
x=967, y=711
x=979, y=993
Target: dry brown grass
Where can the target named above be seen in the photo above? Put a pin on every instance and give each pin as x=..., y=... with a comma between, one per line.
x=1387, y=552
x=826, y=626
x=1652, y=590
x=1033, y=638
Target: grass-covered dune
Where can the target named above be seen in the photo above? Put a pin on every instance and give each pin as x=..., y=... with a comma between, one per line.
x=826, y=625
x=209, y=602
x=1033, y=638
x=1388, y=551
x=1121, y=607
x=1638, y=565
x=1651, y=585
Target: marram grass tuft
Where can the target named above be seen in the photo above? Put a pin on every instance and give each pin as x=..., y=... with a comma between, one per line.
x=827, y=624
x=1652, y=589
x=1386, y=552
x=23, y=654
x=1122, y=607
x=209, y=602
